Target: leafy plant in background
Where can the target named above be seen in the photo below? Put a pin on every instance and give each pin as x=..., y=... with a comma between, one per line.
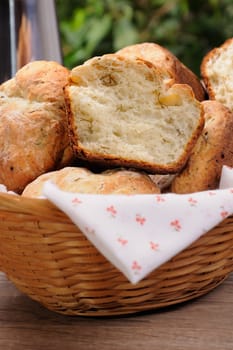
x=188, y=28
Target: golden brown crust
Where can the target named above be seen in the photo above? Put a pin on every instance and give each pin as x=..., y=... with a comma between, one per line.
x=74, y=179
x=213, y=149
x=33, y=124
x=163, y=58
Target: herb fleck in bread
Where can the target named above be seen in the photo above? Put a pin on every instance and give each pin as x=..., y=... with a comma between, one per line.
x=217, y=73
x=213, y=149
x=126, y=112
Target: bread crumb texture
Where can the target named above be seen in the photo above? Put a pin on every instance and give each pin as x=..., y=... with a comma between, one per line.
x=165, y=59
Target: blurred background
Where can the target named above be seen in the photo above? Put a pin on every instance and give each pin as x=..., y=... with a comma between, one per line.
x=72, y=31
x=187, y=28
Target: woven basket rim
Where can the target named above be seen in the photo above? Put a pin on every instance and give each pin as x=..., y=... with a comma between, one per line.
x=46, y=256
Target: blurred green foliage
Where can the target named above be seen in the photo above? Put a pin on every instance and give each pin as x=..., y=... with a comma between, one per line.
x=187, y=28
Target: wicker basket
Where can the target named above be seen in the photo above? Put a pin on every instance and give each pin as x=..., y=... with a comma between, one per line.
x=44, y=254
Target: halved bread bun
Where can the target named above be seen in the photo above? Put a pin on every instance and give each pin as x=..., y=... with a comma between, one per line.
x=126, y=112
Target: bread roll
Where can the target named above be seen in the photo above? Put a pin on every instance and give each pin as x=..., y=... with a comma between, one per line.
x=164, y=59
x=33, y=124
x=213, y=149
x=217, y=73
x=124, y=112
x=74, y=179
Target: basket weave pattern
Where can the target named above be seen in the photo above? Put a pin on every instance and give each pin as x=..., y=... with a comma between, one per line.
x=45, y=255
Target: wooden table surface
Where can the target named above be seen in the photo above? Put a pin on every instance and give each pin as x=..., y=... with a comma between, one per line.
x=202, y=324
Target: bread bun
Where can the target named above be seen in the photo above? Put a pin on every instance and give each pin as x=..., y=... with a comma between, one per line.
x=217, y=73
x=33, y=124
x=164, y=59
x=74, y=179
x=124, y=112
x=212, y=150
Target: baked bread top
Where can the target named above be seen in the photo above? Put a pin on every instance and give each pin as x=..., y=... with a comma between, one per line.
x=82, y=180
x=33, y=124
x=217, y=73
x=164, y=59
x=212, y=150
x=125, y=112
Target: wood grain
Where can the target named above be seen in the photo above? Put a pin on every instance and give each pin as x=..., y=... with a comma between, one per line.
x=202, y=324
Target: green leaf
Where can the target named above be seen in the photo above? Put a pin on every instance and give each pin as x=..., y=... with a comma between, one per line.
x=98, y=29
x=124, y=33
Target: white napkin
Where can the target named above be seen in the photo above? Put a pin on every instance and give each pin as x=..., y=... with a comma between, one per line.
x=138, y=233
